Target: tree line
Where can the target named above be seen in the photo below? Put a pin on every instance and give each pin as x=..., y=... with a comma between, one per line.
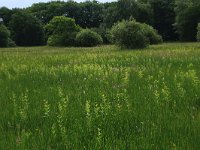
x=173, y=19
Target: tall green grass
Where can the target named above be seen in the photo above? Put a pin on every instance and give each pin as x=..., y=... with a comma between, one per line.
x=100, y=98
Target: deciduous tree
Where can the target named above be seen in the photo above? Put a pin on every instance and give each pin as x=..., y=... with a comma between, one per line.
x=26, y=30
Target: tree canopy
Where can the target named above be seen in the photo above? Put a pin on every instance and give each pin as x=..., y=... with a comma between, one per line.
x=187, y=19
x=26, y=29
x=173, y=19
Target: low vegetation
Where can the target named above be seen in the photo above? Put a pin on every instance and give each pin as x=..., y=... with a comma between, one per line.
x=100, y=98
x=67, y=95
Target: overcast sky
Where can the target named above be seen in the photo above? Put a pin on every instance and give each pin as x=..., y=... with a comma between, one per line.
x=26, y=3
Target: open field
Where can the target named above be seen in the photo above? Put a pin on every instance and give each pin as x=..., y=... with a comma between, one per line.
x=100, y=98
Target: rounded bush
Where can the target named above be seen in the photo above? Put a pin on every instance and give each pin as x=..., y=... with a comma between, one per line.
x=88, y=38
x=198, y=32
x=4, y=36
x=129, y=34
x=61, y=31
x=152, y=34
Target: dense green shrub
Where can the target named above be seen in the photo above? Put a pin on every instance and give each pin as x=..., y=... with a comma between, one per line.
x=104, y=32
x=198, y=32
x=88, y=38
x=4, y=36
x=62, y=31
x=152, y=34
x=61, y=40
x=129, y=34
x=11, y=43
x=55, y=40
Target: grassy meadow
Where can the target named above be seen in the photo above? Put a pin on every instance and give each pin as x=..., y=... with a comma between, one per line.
x=100, y=98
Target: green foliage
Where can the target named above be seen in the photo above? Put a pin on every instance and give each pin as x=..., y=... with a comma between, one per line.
x=55, y=40
x=104, y=32
x=62, y=31
x=129, y=34
x=171, y=18
x=86, y=14
x=198, y=32
x=4, y=36
x=187, y=18
x=26, y=30
x=88, y=38
x=11, y=43
x=6, y=14
x=90, y=14
x=46, y=11
x=124, y=9
x=151, y=33
x=164, y=18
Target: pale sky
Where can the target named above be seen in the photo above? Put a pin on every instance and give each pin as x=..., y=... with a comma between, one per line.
x=26, y=3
